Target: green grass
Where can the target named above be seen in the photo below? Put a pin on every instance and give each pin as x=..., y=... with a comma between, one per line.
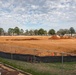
x=68, y=68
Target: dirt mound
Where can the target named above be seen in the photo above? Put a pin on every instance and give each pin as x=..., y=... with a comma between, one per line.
x=22, y=39
x=37, y=42
x=73, y=52
x=65, y=37
x=55, y=37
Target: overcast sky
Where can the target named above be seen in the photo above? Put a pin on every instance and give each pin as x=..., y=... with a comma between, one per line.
x=35, y=14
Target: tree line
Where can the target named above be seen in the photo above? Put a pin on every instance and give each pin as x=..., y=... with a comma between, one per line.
x=41, y=31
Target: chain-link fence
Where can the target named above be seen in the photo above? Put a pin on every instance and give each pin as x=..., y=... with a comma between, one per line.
x=53, y=61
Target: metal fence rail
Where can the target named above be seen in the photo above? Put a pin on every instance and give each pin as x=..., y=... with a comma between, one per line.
x=38, y=56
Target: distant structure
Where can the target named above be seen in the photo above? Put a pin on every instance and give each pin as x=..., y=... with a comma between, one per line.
x=68, y=35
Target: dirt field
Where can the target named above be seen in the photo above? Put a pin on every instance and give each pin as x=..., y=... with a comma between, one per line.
x=41, y=43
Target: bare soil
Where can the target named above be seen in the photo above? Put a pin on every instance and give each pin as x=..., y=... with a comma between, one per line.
x=41, y=43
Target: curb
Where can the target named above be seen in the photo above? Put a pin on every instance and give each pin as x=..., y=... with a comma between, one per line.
x=26, y=73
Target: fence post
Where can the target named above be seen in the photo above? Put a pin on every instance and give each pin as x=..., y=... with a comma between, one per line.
x=11, y=53
x=62, y=58
x=62, y=63
x=34, y=56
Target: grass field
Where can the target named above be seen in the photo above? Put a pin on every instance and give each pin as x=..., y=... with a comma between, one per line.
x=68, y=68
x=41, y=43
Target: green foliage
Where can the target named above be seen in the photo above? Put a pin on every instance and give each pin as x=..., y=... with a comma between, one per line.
x=45, y=32
x=41, y=31
x=68, y=68
x=51, y=32
x=16, y=30
x=63, y=32
x=1, y=31
x=36, y=32
x=21, y=31
x=26, y=32
x=31, y=32
x=72, y=30
x=10, y=31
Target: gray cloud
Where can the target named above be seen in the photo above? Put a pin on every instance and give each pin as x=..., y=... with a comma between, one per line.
x=35, y=11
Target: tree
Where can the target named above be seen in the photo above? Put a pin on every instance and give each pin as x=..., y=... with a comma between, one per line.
x=66, y=31
x=31, y=32
x=26, y=32
x=61, y=32
x=72, y=30
x=51, y=32
x=10, y=31
x=45, y=32
x=1, y=31
x=16, y=30
x=21, y=31
x=36, y=32
x=41, y=31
